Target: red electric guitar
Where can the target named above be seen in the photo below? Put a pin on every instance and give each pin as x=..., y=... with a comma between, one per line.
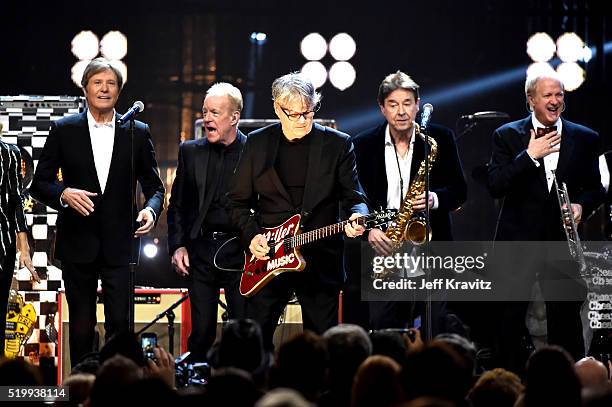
x=284, y=242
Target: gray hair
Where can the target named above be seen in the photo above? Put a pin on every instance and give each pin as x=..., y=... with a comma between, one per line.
x=295, y=86
x=98, y=65
x=229, y=90
x=395, y=81
x=348, y=335
x=532, y=81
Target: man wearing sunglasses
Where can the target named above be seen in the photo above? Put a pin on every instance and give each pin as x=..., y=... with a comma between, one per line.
x=297, y=167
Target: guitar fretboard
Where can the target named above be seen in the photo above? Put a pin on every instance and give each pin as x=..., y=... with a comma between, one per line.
x=314, y=235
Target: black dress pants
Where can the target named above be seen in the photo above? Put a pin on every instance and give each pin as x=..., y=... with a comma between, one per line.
x=204, y=281
x=319, y=303
x=80, y=283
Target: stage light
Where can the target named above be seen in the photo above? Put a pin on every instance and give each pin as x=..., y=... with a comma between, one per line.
x=113, y=45
x=569, y=47
x=587, y=54
x=342, y=47
x=539, y=68
x=85, y=45
x=121, y=67
x=316, y=72
x=342, y=75
x=150, y=250
x=258, y=37
x=571, y=74
x=313, y=47
x=76, y=73
x=540, y=47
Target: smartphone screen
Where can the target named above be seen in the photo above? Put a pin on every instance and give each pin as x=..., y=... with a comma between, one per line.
x=148, y=341
x=417, y=323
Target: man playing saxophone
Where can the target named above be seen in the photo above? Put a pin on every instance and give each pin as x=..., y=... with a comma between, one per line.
x=388, y=160
x=526, y=157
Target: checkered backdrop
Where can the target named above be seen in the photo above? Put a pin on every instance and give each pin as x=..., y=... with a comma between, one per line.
x=26, y=121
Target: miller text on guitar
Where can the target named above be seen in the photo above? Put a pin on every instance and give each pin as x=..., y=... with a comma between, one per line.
x=284, y=242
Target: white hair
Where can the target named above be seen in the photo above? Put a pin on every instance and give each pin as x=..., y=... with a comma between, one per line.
x=229, y=90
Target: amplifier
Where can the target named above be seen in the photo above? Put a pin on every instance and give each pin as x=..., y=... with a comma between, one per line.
x=148, y=304
x=151, y=302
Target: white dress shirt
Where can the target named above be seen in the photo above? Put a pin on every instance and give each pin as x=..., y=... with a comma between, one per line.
x=551, y=160
x=394, y=197
x=102, y=137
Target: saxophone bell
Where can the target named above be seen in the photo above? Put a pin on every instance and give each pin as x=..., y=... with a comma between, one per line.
x=416, y=230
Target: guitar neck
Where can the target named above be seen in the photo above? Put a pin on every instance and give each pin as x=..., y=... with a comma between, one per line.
x=326, y=231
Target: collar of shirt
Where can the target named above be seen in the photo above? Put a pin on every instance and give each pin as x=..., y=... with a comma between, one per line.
x=388, y=141
x=536, y=123
x=91, y=122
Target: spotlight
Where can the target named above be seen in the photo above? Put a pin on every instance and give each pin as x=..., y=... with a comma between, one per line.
x=258, y=37
x=342, y=47
x=85, y=45
x=122, y=68
x=342, y=75
x=569, y=47
x=316, y=72
x=313, y=47
x=538, y=68
x=76, y=73
x=113, y=45
x=587, y=54
x=540, y=47
x=150, y=250
x=571, y=74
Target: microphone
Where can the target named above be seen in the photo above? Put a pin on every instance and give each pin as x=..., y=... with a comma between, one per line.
x=134, y=110
x=426, y=115
x=485, y=116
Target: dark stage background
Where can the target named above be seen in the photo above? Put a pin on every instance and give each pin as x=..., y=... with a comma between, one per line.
x=468, y=56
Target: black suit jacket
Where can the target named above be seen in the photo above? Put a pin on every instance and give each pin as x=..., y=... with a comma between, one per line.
x=190, y=200
x=446, y=177
x=12, y=219
x=529, y=211
x=110, y=228
x=331, y=182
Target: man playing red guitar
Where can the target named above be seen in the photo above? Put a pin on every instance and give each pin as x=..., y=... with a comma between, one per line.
x=296, y=167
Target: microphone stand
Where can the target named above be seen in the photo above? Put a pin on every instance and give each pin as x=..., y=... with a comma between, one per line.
x=428, y=319
x=169, y=314
x=132, y=267
x=466, y=129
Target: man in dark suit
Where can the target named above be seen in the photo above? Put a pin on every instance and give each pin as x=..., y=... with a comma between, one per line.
x=97, y=225
x=521, y=173
x=13, y=227
x=203, y=244
x=388, y=158
x=297, y=167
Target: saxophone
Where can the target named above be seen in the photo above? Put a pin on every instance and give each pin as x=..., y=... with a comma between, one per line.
x=407, y=225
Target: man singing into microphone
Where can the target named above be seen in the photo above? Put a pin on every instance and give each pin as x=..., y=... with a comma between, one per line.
x=95, y=226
